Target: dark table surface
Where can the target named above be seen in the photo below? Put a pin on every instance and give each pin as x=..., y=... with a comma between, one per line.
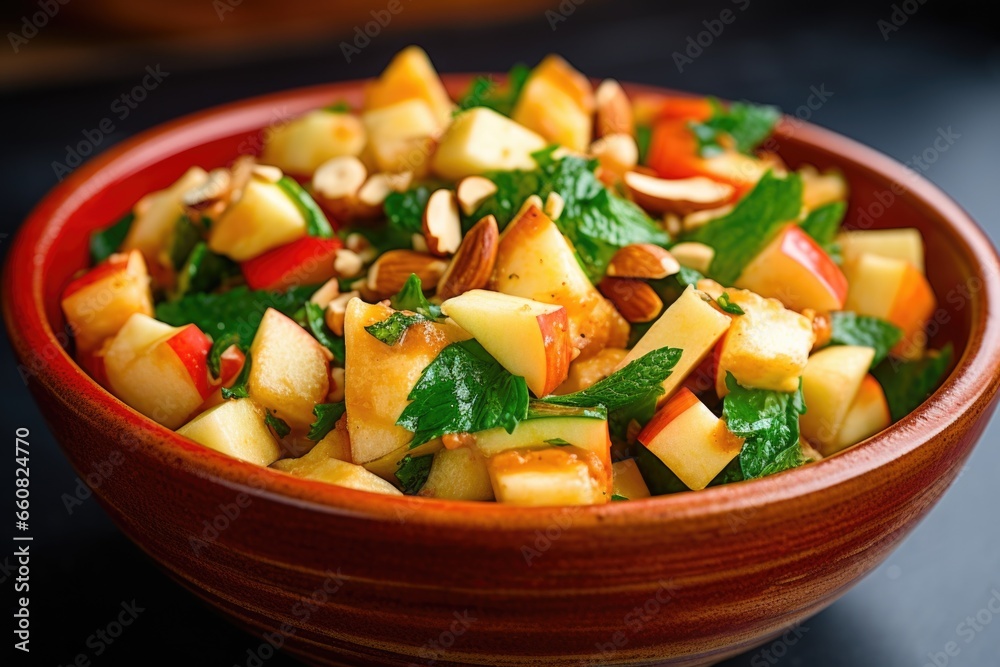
x=940, y=70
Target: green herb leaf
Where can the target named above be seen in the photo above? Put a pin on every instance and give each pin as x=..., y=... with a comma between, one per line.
x=327, y=415
x=238, y=310
x=316, y=323
x=558, y=442
x=392, y=328
x=853, y=329
x=768, y=421
x=413, y=472
x=464, y=390
x=204, y=271
x=660, y=479
x=687, y=276
x=746, y=124
x=340, y=106
x=484, y=92
x=739, y=236
x=220, y=345
x=405, y=210
x=239, y=388
x=634, y=383
x=186, y=236
x=316, y=222
x=278, y=425
x=105, y=242
x=615, y=497
x=824, y=222
x=907, y=384
x=412, y=298
x=728, y=306
x=643, y=138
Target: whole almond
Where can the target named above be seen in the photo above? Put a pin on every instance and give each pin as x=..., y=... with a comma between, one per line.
x=634, y=299
x=392, y=269
x=643, y=260
x=472, y=265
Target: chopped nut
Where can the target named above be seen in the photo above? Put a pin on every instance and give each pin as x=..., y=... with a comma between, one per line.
x=336, y=310
x=337, y=384
x=327, y=293
x=347, y=264
x=682, y=196
x=472, y=191
x=442, y=223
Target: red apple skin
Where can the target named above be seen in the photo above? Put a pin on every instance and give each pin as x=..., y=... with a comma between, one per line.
x=230, y=364
x=912, y=308
x=803, y=248
x=114, y=264
x=306, y=261
x=558, y=350
x=192, y=346
x=678, y=404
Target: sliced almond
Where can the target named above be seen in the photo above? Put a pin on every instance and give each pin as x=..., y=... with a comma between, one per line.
x=643, y=260
x=682, y=196
x=472, y=191
x=693, y=221
x=634, y=299
x=336, y=184
x=327, y=293
x=267, y=173
x=392, y=269
x=336, y=310
x=554, y=205
x=473, y=264
x=347, y=263
x=359, y=244
x=418, y=243
x=614, y=110
x=210, y=190
x=442, y=223
x=616, y=153
x=697, y=256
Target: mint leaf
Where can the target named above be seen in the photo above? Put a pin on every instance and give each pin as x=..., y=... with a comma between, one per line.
x=852, y=329
x=643, y=138
x=204, y=271
x=316, y=222
x=327, y=415
x=405, y=210
x=413, y=472
x=728, y=306
x=740, y=235
x=638, y=381
x=824, y=222
x=745, y=124
x=239, y=388
x=316, y=323
x=105, y=242
x=412, y=298
x=220, y=345
x=558, y=442
x=687, y=276
x=907, y=384
x=186, y=236
x=768, y=421
x=392, y=328
x=464, y=390
x=484, y=92
x=278, y=425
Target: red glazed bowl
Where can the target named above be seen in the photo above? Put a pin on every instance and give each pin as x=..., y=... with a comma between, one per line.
x=337, y=576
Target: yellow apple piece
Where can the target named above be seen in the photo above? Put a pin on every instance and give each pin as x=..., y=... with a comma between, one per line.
x=235, y=428
x=264, y=218
x=906, y=244
x=535, y=261
x=557, y=476
x=481, y=140
x=410, y=75
x=528, y=338
x=628, y=481
x=557, y=102
x=868, y=414
x=830, y=384
x=691, y=325
x=289, y=370
x=584, y=373
x=98, y=303
x=325, y=463
x=156, y=217
x=820, y=189
x=399, y=136
x=458, y=474
x=379, y=377
x=302, y=144
x=387, y=465
x=690, y=440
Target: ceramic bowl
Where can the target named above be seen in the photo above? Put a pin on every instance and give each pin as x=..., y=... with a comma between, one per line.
x=337, y=576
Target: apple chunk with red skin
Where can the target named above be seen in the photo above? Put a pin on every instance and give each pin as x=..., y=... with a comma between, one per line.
x=307, y=261
x=289, y=370
x=830, y=383
x=98, y=303
x=690, y=440
x=868, y=414
x=159, y=370
x=794, y=269
x=527, y=337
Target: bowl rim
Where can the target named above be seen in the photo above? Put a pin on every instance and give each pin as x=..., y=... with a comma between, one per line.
x=973, y=380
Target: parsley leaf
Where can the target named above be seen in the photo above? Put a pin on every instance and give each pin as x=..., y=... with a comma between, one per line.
x=728, y=306
x=643, y=138
x=412, y=298
x=278, y=425
x=740, y=235
x=636, y=382
x=238, y=310
x=239, y=388
x=327, y=415
x=220, y=345
x=484, y=92
x=852, y=329
x=907, y=384
x=413, y=472
x=768, y=421
x=105, y=242
x=405, y=210
x=746, y=124
x=316, y=222
x=392, y=328
x=203, y=271
x=464, y=390
x=316, y=323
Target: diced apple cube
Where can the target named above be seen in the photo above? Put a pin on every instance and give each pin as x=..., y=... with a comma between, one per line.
x=235, y=428
x=905, y=244
x=628, y=480
x=868, y=414
x=830, y=383
x=458, y=474
x=302, y=144
x=410, y=75
x=481, y=140
x=557, y=102
x=557, y=476
x=264, y=218
x=584, y=373
x=399, y=135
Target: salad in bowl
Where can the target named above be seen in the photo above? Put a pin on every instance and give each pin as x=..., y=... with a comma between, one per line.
x=542, y=293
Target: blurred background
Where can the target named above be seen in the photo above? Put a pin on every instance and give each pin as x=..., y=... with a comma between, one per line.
x=894, y=75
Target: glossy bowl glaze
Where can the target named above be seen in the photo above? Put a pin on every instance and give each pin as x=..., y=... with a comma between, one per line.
x=337, y=576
